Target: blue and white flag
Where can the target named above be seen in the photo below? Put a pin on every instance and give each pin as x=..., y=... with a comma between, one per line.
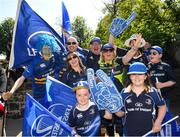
x=38, y=121
x=66, y=24
x=28, y=25
x=59, y=99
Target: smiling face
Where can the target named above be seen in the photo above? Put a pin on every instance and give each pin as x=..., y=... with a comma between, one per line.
x=108, y=55
x=154, y=56
x=82, y=96
x=73, y=60
x=72, y=44
x=138, y=79
x=95, y=48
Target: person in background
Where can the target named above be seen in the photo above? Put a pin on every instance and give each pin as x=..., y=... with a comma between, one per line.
x=161, y=73
x=85, y=117
x=94, y=53
x=140, y=102
x=112, y=69
x=75, y=70
x=45, y=63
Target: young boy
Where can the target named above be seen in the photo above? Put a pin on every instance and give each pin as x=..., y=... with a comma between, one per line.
x=85, y=116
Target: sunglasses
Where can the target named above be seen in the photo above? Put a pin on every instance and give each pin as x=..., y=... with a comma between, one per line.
x=72, y=57
x=106, y=50
x=71, y=43
x=153, y=53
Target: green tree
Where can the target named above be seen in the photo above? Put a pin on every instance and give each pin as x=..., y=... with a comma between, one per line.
x=157, y=20
x=6, y=32
x=82, y=31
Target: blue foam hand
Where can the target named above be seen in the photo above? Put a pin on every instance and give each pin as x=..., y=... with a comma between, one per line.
x=104, y=93
x=119, y=25
x=109, y=91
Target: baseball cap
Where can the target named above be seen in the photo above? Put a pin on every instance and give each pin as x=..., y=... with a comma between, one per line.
x=137, y=68
x=134, y=37
x=107, y=46
x=95, y=39
x=81, y=85
x=158, y=49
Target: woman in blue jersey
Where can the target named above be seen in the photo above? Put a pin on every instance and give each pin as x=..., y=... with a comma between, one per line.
x=140, y=102
x=85, y=116
x=75, y=71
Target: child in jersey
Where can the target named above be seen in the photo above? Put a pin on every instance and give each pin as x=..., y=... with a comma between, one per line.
x=140, y=102
x=85, y=116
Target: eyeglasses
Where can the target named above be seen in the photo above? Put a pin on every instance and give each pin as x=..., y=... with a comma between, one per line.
x=71, y=43
x=72, y=57
x=153, y=53
x=106, y=50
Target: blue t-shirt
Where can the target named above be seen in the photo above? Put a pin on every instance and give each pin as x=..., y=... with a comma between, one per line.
x=38, y=70
x=86, y=122
x=140, y=111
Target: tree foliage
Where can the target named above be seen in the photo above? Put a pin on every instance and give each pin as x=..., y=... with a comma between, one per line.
x=157, y=20
x=82, y=31
x=6, y=32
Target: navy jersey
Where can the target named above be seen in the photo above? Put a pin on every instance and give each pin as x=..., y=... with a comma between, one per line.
x=71, y=77
x=38, y=70
x=140, y=111
x=92, y=61
x=163, y=72
x=141, y=58
x=86, y=122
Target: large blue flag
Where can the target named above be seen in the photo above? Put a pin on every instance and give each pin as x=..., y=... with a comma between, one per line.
x=60, y=98
x=66, y=24
x=28, y=26
x=38, y=121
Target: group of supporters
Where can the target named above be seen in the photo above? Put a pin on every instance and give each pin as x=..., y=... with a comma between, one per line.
x=142, y=79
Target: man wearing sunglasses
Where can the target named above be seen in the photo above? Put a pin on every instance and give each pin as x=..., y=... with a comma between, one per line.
x=161, y=73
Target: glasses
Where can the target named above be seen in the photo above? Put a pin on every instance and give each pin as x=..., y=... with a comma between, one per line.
x=153, y=53
x=72, y=57
x=71, y=43
x=106, y=50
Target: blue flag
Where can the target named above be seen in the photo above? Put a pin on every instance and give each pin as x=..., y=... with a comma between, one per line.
x=66, y=24
x=28, y=26
x=38, y=121
x=59, y=99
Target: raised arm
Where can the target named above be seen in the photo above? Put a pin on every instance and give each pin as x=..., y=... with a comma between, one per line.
x=17, y=84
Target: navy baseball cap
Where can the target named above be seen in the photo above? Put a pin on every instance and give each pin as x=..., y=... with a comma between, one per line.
x=81, y=85
x=95, y=39
x=107, y=46
x=158, y=49
x=137, y=68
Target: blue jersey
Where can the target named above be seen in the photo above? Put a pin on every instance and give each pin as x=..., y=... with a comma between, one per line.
x=86, y=122
x=140, y=111
x=163, y=72
x=37, y=71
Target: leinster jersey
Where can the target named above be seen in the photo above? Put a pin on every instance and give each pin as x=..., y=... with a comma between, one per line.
x=86, y=122
x=38, y=70
x=140, y=111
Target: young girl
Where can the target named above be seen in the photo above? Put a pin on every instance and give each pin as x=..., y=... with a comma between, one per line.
x=85, y=116
x=140, y=101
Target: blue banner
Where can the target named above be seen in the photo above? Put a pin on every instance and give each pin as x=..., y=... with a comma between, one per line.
x=28, y=26
x=59, y=99
x=38, y=121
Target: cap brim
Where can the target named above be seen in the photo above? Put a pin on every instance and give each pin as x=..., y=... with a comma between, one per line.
x=79, y=87
x=134, y=72
x=127, y=42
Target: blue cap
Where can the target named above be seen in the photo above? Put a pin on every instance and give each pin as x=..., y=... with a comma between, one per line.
x=137, y=68
x=107, y=46
x=95, y=39
x=81, y=85
x=158, y=49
